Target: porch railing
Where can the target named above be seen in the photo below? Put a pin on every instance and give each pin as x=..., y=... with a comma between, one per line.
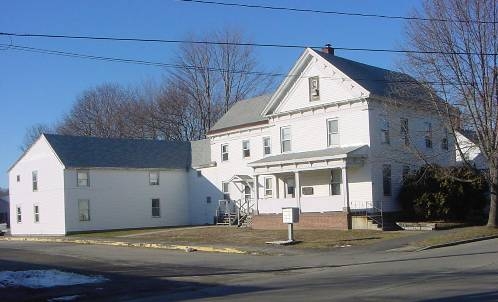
x=234, y=212
x=372, y=210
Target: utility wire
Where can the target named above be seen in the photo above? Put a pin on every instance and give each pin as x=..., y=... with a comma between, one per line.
x=151, y=40
x=303, y=10
x=193, y=67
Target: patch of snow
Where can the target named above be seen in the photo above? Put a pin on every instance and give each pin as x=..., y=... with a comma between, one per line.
x=64, y=298
x=45, y=278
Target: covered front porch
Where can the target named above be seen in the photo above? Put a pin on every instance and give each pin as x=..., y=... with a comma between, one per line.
x=315, y=182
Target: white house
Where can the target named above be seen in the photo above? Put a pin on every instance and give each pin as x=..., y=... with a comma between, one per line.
x=467, y=141
x=335, y=138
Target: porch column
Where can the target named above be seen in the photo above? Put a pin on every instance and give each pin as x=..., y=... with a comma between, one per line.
x=277, y=187
x=297, y=190
x=256, y=192
x=345, y=187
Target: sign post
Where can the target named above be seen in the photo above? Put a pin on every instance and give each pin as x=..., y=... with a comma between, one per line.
x=290, y=216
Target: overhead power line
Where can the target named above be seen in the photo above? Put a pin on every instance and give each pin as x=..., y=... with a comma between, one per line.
x=191, y=67
x=352, y=14
x=174, y=41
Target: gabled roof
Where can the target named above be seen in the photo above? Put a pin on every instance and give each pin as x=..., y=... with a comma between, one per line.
x=340, y=152
x=201, y=153
x=81, y=152
x=379, y=81
x=244, y=112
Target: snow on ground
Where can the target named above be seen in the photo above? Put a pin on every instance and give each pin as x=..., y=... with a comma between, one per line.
x=44, y=278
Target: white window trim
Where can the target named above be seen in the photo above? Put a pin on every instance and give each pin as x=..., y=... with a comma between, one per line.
x=35, y=213
x=334, y=181
x=248, y=148
x=329, y=143
x=227, y=192
x=87, y=172
x=428, y=135
x=404, y=133
x=282, y=141
x=152, y=207
x=33, y=174
x=158, y=178
x=227, y=152
x=79, y=209
x=18, y=214
x=312, y=97
x=266, y=189
x=385, y=131
x=269, y=145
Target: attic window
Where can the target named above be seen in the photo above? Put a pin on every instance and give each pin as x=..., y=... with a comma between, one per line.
x=314, y=86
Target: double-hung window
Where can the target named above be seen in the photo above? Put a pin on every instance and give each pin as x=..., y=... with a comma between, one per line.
x=224, y=152
x=384, y=130
x=333, y=133
x=225, y=187
x=83, y=178
x=404, y=131
x=386, y=180
x=268, y=187
x=156, y=207
x=246, y=149
x=84, y=209
x=34, y=176
x=285, y=139
x=428, y=134
x=266, y=145
x=444, y=140
x=36, y=212
x=18, y=214
x=335, y=181
x=154, y=178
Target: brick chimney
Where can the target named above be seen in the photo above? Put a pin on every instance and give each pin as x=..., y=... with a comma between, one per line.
x=328, y=49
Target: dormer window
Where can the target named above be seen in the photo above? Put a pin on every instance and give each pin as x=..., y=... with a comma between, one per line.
x=314, y=86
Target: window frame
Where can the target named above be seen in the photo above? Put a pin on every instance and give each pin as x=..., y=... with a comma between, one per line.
x=329, y=133
x=34, y=180
x=335, y=182
x=18, y=178
x=404, y=130
x=387, y=180
x=385, y=138
x=246, y=148
x=224, y=152
x=225, y=190
x=307, y=189
x=314, y=93
x=36, y=213
x=282, y=140
x=80, y=172
x=428, y=135
x=264, y=146
x=158, y=181
x=88, y=216
x=157, y=207
x=268, y=190
x=444, y=140
x=18, y=214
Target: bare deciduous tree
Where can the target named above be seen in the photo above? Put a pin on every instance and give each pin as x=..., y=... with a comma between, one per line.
x=213, y=77
x=32, y=134
x=457, y=54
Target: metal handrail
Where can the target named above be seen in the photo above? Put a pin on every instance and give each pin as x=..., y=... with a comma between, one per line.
x=372, y=210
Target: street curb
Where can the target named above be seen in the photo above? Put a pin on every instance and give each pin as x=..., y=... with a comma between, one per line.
x=187, y=248
x=430, y=247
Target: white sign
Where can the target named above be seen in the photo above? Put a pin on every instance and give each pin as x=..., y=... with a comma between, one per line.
x=290, y=215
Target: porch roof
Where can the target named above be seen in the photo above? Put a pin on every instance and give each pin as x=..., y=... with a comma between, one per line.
x=241, y=178
x=324, y=154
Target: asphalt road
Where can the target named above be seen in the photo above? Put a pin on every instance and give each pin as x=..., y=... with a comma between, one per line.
x=460, y=273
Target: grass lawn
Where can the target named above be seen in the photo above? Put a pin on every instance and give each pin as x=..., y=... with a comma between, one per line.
x=321, y=239
x=456, y=235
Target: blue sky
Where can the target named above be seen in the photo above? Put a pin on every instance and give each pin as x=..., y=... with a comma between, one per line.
x=39, y=88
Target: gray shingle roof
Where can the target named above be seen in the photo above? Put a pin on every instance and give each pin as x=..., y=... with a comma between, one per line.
x=243, y=112
x=329, y=152
x=80, y=151
x=201, y=153
x=379, y=81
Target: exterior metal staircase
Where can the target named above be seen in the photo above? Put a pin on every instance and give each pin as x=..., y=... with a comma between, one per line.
x=234, y=213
